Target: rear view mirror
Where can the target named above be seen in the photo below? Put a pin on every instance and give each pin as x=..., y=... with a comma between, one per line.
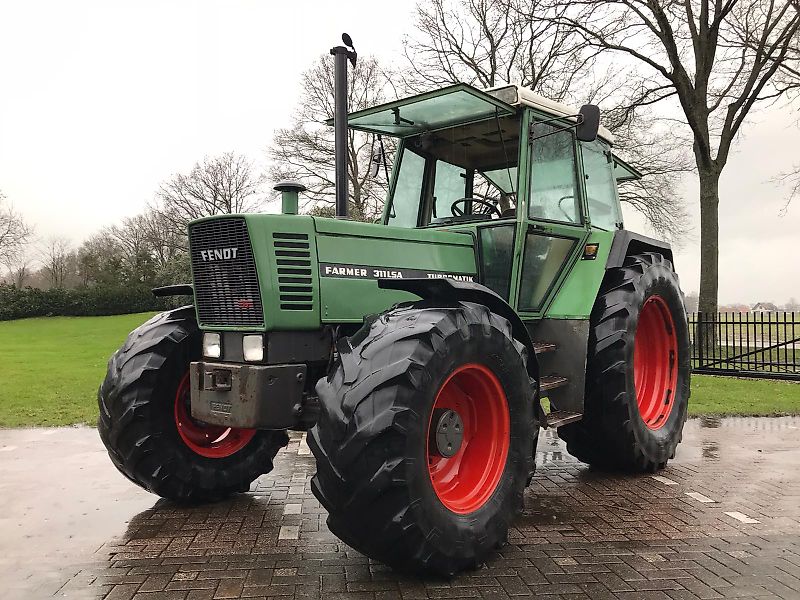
x=588, y=123
x=375, y=162
x=377, y=159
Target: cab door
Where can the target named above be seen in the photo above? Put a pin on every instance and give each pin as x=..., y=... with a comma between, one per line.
x=553, y=228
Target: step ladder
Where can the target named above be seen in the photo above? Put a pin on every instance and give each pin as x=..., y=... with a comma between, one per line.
x=547, y=383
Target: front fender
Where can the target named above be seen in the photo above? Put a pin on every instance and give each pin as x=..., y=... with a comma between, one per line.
x=450, y=289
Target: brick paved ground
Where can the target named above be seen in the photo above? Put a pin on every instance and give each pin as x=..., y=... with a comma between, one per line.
x=582, y=534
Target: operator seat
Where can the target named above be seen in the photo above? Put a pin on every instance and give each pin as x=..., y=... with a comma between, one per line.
x=508, y=213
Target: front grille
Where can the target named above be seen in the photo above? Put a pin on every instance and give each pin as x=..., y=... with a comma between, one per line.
x=293, y=260
x=226, y=289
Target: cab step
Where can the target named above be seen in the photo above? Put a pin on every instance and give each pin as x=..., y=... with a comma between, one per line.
x=542, y=347
x=551, y=382
x=557, y=418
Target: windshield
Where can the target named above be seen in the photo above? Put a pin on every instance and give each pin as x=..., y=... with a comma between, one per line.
x=463, y=173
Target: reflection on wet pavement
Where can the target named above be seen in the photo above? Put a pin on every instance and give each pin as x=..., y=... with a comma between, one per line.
x=709, y=422
x=73, y=527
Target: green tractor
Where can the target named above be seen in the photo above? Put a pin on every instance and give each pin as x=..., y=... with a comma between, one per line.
x=416, y=351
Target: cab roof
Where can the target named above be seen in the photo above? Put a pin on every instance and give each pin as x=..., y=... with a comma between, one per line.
x=517, y=95
x=455, y=104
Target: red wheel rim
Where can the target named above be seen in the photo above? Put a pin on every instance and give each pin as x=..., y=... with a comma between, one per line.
x=211, y=441
x=655, y=369
x=465, y=481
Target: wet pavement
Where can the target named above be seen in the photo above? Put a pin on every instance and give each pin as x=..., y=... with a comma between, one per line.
x=722, y=521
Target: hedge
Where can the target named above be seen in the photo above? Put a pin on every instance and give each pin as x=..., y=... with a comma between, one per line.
x=21, y=303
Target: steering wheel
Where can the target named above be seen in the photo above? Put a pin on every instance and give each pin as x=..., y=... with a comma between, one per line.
x=569, y=217
x=487, y=208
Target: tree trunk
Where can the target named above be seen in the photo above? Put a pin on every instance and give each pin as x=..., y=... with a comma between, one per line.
x=709, y=241
x=705, y=334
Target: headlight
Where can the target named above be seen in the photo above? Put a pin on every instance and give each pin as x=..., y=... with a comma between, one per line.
x=253, y=348
x=212, y=345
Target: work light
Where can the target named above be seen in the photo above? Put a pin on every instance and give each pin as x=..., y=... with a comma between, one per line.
x=212, y=345
x=253, y=348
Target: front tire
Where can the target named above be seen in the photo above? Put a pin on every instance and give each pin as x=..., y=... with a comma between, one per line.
x=147, y=428
x=638, y=369
x=393, y=489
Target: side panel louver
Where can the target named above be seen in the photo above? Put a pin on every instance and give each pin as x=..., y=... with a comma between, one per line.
x=226, y=286
x=293, y=260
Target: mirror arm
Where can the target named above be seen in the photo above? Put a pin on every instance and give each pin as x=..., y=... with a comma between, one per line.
x=383, y=157
x=578, y=122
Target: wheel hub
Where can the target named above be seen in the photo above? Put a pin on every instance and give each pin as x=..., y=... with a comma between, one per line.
x=210, y=441
x=655, y=368
x=448, y=432
x=468, y=438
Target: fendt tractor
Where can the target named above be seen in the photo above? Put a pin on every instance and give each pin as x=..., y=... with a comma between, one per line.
x=417, y=351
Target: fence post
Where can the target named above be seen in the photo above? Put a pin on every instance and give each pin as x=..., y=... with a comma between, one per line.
x=699, y=339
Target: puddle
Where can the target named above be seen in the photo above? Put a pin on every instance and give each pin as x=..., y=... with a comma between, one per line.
x=542, y=458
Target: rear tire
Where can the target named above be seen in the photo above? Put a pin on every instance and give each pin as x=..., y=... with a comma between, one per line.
x=388, y=492
x=638, y=370
x=142, y=400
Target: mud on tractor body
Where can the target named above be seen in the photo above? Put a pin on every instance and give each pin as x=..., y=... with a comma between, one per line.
x=416, y=351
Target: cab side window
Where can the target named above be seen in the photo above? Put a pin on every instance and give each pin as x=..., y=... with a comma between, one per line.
x=407, y=190
x=554, y=194
x=601, y=187
x=449, y=186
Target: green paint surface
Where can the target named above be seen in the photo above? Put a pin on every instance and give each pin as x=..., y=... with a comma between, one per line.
x=262, y=229
x=577, y=294
x=350, y=243
x=340, y=300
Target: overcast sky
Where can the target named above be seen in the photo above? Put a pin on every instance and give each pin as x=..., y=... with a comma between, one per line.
x=100, y=101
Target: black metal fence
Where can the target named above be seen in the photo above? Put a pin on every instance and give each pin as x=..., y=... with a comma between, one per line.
x=757, y=344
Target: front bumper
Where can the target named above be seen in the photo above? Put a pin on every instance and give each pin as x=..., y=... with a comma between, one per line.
x=247, y=396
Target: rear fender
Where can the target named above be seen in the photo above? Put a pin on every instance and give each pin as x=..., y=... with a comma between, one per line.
x=626, y=243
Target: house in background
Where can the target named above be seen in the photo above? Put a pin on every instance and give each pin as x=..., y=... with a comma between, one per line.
x=762, y=307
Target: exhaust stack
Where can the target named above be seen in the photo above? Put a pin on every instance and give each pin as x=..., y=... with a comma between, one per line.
x=341, y=55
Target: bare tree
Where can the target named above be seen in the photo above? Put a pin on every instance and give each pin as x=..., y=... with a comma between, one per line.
x=18, y=267
x=56, y=261
x=662, y=159
x=15, y=233
x=489, y=43
x=305, y=150
x=141, y=249
x=164, y=243
x=790, y=179
x=224, y=184
x=719, y=60
x=100, y=259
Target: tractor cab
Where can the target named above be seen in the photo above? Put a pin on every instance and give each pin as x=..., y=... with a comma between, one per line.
x=532, y=179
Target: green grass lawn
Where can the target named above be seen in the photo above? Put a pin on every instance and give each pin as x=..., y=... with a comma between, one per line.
x=50, y=369
x=713, y=395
